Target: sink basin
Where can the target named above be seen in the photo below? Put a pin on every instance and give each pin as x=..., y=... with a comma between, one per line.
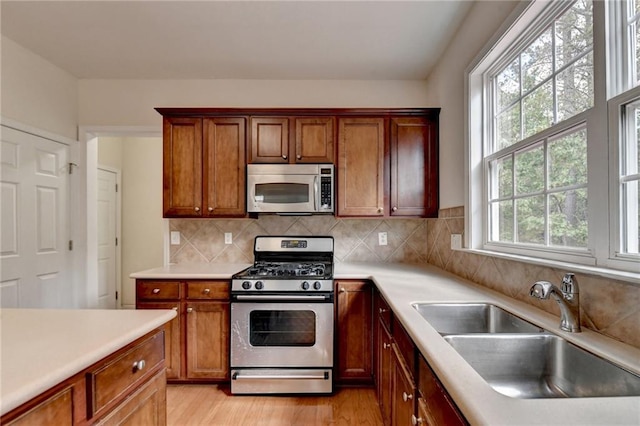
x=464, y=318
x=542, y=366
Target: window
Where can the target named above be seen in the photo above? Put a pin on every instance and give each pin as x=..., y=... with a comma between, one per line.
x=552, y=174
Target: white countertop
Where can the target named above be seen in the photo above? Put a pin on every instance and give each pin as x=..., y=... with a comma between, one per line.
x=43, y=347
x=403, y=285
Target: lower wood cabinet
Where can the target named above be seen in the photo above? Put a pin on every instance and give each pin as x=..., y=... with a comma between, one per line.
x=197, y=348
x=354, y=303
x=408, y=391
x=110, y=392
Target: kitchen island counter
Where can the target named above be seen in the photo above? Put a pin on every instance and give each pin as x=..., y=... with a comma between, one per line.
x=43, y=347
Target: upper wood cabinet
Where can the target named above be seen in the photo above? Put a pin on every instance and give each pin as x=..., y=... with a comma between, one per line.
x=204, y=167
x=361, y=145
x=281, y=140
x=413, y=153
x=269, y=140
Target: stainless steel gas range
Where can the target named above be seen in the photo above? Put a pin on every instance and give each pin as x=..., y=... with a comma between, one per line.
x=282, y=318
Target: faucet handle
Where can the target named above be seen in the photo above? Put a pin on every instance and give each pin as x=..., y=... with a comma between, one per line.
x=570, y=284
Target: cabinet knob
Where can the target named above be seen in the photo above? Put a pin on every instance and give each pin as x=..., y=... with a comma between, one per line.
x=416, y=420
x=299, y=157
x=394, y=209
x=406, y=396
x=209, y=209
x=342, y=290
x=206, y=291
x=382, y=310
x=189, y=310
x=156, y=291
x=197, y=209
x=138, y=365
x=385, y=345
x=380, y=209
x=284, y=157
x=175, y=308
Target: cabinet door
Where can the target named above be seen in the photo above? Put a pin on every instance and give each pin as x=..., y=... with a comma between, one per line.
x=403, y=405
x=146, y=406
x=354, y=307
x=438, y=406
x=172, y=340
x=384, y=371
x=314, y=140
x=414, y=173
x=207, y=350
x=182, y=169
x=224, y=186
x=56, y=410
x=269, y=140
x=361, y=167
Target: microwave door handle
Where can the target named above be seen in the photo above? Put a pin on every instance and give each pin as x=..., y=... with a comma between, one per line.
x=315, y=193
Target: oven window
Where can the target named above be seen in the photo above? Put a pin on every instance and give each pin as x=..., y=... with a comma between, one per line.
x=283, y=193
x=282, y=328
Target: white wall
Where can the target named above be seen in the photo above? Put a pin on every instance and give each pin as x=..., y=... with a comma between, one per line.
x=36, y=92
x=110, y=152
x=132, y=102
x=445, y=88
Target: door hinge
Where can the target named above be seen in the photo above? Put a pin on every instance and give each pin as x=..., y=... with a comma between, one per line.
x=70, y=245
x=71, y=166
x=116, y=187
x=116, y=241
x=116, y=295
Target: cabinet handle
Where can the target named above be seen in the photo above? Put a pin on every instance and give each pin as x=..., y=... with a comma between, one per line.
x=284, y=157
x=209, y=209
x=416, y=420
x=406, y=396
x=197, y=209
x=394, y=209
x=138, y=365
x=382, y=310
x=156, y=291
x=189, y=310
x=207, y=291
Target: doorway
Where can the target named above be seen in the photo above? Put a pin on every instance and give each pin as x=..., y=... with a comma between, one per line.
x=108, y=230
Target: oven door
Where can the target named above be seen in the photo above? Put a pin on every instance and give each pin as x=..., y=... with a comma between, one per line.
x=282, y=333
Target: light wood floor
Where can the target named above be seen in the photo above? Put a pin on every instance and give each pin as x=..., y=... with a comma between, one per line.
x=213, y=405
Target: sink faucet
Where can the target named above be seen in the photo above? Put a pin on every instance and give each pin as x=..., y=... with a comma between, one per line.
x=568, y=298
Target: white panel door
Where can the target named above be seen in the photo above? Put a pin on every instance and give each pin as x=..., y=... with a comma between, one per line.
x=34, y=222
x=107, y=216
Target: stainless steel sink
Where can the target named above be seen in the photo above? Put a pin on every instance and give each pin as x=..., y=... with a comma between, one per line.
x=542, y=366
x=463, y=318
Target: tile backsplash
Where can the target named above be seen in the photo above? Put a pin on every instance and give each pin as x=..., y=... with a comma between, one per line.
x=609, y=306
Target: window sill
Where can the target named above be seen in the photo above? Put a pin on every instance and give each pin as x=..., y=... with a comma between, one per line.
x=630, y=277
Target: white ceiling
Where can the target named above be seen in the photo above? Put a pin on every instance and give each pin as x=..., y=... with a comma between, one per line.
x=362, y=40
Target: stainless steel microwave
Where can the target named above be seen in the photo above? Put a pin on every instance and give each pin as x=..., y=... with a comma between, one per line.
x=290, y=188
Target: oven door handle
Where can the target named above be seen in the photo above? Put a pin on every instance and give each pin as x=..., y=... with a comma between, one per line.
x=279, y=297
x=320, y=376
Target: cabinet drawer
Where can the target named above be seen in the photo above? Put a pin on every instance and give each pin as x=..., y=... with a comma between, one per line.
x=383, y=311
x=120, y=375
x=157, y=290
x=404, y=342
x=218, y=290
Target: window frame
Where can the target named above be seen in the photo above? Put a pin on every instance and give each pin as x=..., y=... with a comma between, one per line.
x=600, y=254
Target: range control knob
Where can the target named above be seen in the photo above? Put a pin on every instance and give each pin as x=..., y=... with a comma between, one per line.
x=246, y=285
x=317, y=285
x=259, y=285
x=305, y=285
